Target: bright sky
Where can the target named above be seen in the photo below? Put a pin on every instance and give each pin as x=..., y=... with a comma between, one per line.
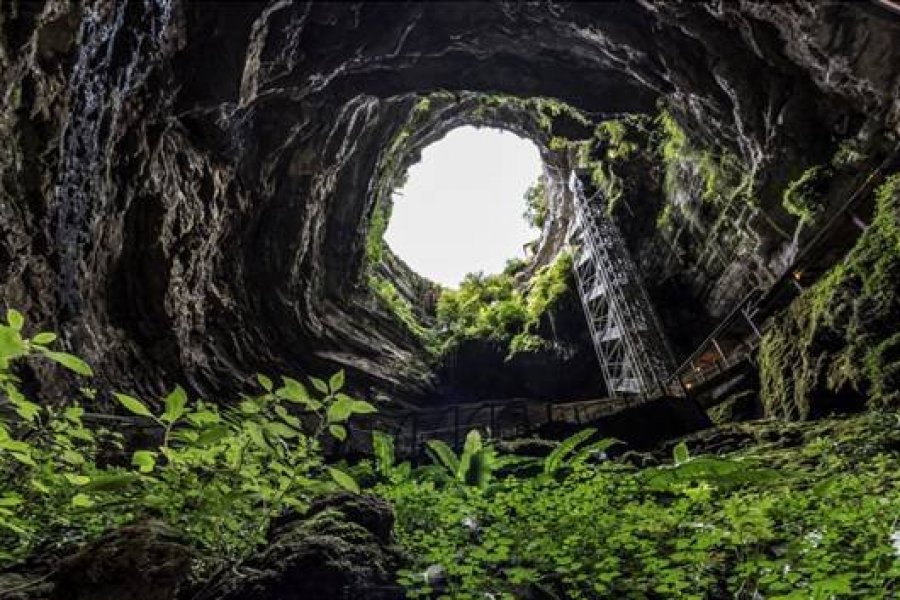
x=461, y=208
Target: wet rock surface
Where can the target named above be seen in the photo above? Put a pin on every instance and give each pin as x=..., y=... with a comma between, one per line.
x=185, y=186
x=145, y=561
x=340, y=548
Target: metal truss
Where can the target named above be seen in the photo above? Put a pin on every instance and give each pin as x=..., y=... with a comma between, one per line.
x=630, y=345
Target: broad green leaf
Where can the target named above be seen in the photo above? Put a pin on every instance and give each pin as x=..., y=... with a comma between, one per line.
x=213, y=435
x=71, y=362
x=681, y=454
x=133, y=405
x=288, y=418
x=24, y=458
x=78, y=480
x=441, y=454
x=281, y=430
x=14, y=445
x=344, y=480
x=15, y=319
x=292, y=391
x=264, y=382
x=249, y=407
x=72, y=457
x=471, y=452
x=556, y=459
x=144, y=460
x=340, y=409
x=39, y=486
x=74, y=413
x=24, y=408
x=82, y=501
x=44, y=338
x=336, y=382
x=319, y=384
x=203, y=417
x=11, y=343
x=257, y=437
x=361, y=407
x=338, y=431
x=175, y=403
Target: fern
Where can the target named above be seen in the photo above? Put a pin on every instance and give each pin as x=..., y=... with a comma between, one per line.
x=471, y=450
x=585, y=452
x=443, y=455
x=556, y=459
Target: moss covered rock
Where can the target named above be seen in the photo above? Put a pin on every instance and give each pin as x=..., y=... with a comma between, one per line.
x=837, y=347
x=339, y=548
x=144, y=561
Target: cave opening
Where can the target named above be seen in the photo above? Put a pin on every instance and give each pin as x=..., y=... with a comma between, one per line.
x=219, y=381
x=462, y=208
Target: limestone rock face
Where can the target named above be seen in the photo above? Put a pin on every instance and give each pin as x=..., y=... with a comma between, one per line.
x=341, y=548
x=185, y=187
x=144, y=561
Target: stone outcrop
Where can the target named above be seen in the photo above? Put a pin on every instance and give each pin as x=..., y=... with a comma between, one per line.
x=186, y=187
x=341, y=548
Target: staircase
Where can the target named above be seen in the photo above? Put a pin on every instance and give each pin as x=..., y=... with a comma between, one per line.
x=631, y=348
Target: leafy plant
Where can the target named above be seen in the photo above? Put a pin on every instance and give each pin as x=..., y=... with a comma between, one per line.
x=473, y=467
x=536, y=205
x=713, y=527
x=216, y=474
x=556, y=459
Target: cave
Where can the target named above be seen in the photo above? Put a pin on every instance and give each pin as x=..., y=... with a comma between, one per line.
x=194, y=200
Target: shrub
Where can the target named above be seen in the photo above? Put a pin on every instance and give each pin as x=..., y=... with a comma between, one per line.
x=217, y=474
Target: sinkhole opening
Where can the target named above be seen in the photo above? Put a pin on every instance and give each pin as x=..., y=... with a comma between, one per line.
x=463, y=207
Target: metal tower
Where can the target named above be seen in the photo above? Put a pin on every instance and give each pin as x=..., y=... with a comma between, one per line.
x=631, y=347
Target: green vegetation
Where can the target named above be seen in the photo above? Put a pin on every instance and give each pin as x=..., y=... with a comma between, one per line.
x=536, y=204
x=841, y=334
x=815, y=521
x=217, y=474
x=803, y=196
x=803, y=511
x=495, y=307
x=616, y=136
x=544, y=110
x=387, y=292
x=720, y=174
x=375, y=236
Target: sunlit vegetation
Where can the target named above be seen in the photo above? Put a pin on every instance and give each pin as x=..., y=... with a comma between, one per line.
x=803, y=196
x=802, y=511
x=818, y=519
x=499, y=308
x=218, y=473
x=840, y=333
x=536, y=203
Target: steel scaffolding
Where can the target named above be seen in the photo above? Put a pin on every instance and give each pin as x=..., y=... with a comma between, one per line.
x=631, y=347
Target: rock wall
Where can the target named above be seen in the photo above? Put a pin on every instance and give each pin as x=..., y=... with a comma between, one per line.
x=186, y=187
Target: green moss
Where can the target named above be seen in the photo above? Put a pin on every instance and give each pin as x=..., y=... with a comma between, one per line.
x=803, y=196
x=616, y=135
x=848, y=154
x=399, y=306
x=375, y=236
x=664, y=218
x=842, y=333
x=720, y=174
x=604, y=177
